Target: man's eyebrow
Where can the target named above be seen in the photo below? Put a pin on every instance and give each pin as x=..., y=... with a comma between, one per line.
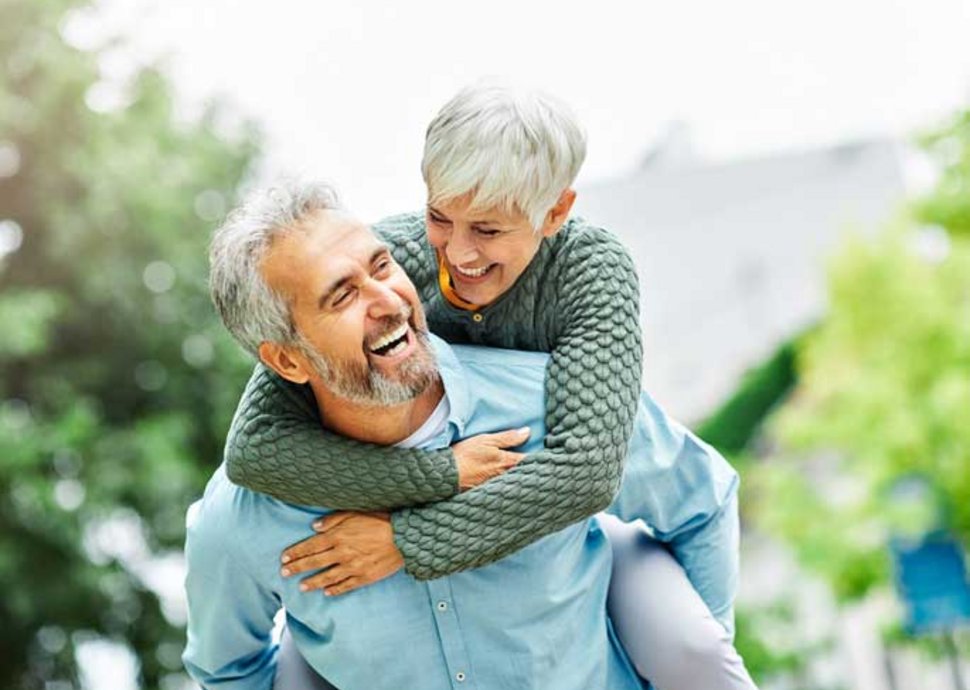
x=331, y=289
x=340, y=282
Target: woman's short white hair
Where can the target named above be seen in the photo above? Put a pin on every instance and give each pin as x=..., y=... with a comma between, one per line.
x=252, y=311
x=507, y=147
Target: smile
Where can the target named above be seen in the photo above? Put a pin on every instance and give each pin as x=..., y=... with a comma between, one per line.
x=474, y=272
x=391, y=344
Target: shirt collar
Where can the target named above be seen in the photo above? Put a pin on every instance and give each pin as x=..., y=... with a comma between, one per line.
x=454, y=381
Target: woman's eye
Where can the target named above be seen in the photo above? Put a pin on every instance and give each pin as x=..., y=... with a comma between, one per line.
x=438, y=220
x=486, y=232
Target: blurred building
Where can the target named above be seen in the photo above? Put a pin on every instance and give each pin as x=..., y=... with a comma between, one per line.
x=732, y=255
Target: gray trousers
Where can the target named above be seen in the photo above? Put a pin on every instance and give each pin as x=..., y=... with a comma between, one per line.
x=662, y=622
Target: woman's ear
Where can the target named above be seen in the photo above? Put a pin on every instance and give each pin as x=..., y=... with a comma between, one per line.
x=559, y=213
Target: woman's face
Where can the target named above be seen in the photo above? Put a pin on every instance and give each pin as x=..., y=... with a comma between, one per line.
x=486, y=251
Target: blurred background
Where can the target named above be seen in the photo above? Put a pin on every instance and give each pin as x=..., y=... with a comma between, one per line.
x=793, y=181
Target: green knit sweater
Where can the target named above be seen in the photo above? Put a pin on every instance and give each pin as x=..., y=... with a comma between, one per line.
x=579, y=300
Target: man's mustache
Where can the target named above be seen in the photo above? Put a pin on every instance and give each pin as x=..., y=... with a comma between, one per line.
x=388, y=324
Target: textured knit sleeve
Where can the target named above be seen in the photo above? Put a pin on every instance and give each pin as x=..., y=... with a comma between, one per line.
x=592, y=389
x=277, y=446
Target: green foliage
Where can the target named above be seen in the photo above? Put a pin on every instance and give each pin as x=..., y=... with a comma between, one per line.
x=949, y=203
x=883, y=396
x=736, y=423
x=34, y=312
x=116, y=380
x=771, y=653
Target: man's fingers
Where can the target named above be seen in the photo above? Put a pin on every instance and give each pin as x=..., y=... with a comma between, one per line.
x=309, y=546
x=328, y=578
x=348, y=585
x=313, y=562
x=510, y=459
x=510, y=438
x=330, y=521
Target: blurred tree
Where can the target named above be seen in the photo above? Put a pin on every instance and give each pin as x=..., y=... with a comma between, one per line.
x=949, y=204
x=115, y=375
x=879, y=424
x=737, y=422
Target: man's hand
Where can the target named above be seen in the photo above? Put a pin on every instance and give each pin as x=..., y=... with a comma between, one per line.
x=482, y=457
x=354, y=549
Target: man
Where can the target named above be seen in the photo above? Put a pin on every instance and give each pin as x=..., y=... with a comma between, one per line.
x=322, y=303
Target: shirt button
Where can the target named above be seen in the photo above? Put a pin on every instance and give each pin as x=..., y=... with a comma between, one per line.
x=442, y=606
x=460, y=676
x=477, y=318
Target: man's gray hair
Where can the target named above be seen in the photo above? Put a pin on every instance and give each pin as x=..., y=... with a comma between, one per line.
x=511, y=148
x=252, y=311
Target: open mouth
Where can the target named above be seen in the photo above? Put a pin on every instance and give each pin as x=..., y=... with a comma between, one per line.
x=391, y=344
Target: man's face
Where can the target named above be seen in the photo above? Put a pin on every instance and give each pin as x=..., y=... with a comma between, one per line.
x=359, y=318
x=484, y=251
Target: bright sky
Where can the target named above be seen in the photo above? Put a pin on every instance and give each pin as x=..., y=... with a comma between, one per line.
x=345, y=89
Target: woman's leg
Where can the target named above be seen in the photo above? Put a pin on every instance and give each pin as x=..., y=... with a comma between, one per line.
x=662, y=622
x=292, y=670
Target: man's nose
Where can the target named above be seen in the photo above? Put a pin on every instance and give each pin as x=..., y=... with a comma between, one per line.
x=384, y=300
x=461, y=247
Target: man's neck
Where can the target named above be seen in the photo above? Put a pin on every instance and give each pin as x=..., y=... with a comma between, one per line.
x=375, y=424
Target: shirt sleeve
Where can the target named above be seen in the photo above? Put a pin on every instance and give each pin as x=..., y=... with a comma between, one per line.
x=230, y=620
x=277, y=446
x=592, y=387
x=686, y=493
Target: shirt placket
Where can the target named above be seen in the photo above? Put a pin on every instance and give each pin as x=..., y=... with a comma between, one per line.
x=442, y=601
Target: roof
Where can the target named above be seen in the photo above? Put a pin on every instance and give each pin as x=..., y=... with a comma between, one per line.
x=732, y=256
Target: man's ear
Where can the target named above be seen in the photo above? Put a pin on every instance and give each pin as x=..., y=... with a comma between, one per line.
x=559, y=213
x=283, y=362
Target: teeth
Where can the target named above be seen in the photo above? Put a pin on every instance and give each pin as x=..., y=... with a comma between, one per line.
x=473, y=272
x=396, y=349
x=390, y=337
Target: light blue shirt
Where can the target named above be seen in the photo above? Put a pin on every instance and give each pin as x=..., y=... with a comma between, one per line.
x=534, y=620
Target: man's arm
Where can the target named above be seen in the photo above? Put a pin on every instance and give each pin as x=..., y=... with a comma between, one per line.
x=686, y=492
x=230, y=618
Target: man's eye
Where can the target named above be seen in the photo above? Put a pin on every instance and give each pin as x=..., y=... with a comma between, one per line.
x=438, y=220
x=382, y=266
x=487, y=232
x=343, y=298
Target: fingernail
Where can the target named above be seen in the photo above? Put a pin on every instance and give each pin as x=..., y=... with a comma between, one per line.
x=525, y=430
x=284, y=558
x=318, y=525
x=304, y=587
x=285, y=572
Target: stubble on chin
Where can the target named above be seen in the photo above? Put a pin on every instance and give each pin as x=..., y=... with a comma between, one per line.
x=364, y=384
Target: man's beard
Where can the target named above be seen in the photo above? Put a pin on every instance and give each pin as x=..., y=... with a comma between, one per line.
x=361, y=383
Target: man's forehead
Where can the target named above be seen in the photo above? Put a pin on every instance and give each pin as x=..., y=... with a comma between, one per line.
x=318, y=251
x=335, y=235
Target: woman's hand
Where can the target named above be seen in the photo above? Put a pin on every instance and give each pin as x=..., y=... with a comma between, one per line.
x=482, y=457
